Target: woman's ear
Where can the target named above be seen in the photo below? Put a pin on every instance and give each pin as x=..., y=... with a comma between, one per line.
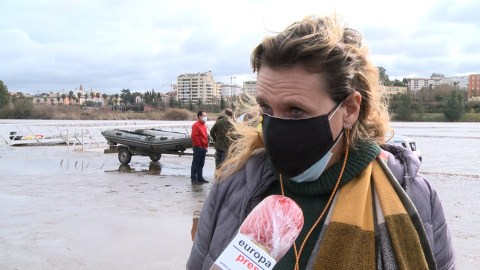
x=352, y=107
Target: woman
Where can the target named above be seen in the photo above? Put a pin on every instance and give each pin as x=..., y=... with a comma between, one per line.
x=322, y=124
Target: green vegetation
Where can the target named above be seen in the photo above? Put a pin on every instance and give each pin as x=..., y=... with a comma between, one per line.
x=454, y=108
x=442, y=103
x=404, y=111
x=4, y=95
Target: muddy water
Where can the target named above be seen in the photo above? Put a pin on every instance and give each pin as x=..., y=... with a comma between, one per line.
x=83, y=210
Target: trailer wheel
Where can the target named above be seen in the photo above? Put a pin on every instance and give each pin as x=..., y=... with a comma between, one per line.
x=155, y=156
x=124, y=156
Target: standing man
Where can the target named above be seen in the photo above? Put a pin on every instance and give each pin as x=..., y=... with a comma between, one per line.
x=219, y=134
x=200, y=147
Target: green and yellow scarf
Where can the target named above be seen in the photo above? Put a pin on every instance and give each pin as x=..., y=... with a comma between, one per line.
x=372, y=224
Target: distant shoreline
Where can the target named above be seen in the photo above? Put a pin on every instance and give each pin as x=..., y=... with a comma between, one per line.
x=40, y=112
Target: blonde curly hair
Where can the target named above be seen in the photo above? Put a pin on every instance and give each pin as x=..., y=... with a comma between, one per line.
x=321, y=45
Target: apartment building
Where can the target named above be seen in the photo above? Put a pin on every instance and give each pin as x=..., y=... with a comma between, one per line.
x=474, y=86
x=230, y=90
x=415, y=84
x=250, y=87
x=195, y=86
x=461, y=82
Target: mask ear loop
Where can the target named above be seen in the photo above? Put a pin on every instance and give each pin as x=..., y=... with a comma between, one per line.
x=332, y=113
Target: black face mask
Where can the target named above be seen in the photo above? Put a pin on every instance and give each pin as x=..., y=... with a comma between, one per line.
x=294, y=145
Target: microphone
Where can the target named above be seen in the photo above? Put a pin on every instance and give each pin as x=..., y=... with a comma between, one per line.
x=264, y=237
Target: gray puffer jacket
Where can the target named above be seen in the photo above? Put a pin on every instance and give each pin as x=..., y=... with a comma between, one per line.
x=405, y=165
x=230, y=201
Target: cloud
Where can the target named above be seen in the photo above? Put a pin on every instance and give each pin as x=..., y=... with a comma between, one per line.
x=442, y=41
x=110, y=45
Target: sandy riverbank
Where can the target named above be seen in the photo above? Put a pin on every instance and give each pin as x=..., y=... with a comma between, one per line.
x=82, y=210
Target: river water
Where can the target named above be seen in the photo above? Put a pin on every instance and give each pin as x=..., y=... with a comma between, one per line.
x=47, y=192
x=447, y=148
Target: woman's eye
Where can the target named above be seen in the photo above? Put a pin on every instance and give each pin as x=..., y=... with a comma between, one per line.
x=266, y=109
x=296, y=111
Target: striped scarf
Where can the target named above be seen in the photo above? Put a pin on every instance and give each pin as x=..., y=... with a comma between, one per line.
x=372, y=224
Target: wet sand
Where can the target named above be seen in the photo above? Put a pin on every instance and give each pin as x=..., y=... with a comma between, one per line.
x=83, y=210
x=64, y=209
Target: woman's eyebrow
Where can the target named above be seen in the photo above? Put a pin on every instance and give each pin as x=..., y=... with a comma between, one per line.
x=259, y=99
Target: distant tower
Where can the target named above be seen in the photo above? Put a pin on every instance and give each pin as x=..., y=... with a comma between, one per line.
x=81, y=88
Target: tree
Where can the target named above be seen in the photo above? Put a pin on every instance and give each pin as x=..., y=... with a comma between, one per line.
x=222, y=103
x=397, y=82
x=116, y=98
x=4, y=95
x=63, y=98
x=454, y=108
x=79, y=95
x=421, y=109
x=23, y=107
x=52, y=101
x=126, y=96
x=58, y=100
x=404, y=111
x=172, y=101
x=438, y=98
x=45, y=100
x=70, y=97
x=383, y=77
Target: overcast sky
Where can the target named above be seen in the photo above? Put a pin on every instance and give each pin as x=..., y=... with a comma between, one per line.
x=108, y=45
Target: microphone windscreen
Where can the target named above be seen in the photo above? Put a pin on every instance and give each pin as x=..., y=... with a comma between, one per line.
x=274, y=223
x=264, y=237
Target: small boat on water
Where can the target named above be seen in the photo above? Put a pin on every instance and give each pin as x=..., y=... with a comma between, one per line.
x=147, y=142
x=17, y=139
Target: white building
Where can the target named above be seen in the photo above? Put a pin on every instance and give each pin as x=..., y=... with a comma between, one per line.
x=250, y=87
x=230, y=90
x=460, y=81
x=435, y=80
x=195, y=86
x=416, y=84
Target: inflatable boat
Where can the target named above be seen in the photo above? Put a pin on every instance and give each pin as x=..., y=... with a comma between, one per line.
x=147, y=142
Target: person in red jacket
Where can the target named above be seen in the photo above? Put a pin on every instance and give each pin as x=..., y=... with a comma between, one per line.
x=200, y=147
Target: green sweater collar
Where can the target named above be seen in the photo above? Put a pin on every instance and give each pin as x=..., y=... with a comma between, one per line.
x=356, y=162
